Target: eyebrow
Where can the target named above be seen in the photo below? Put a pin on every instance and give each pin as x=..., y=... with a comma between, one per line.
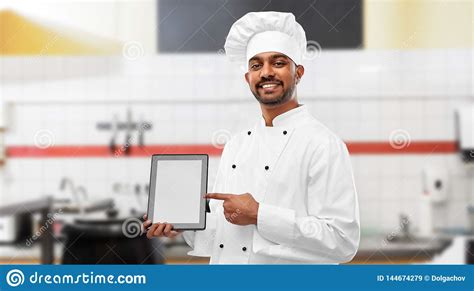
x=275, y=56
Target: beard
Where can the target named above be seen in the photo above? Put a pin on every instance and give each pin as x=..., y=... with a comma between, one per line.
x=280, y=99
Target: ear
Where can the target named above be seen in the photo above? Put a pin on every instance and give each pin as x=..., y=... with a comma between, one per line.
x=247, y=78
x=299, y=73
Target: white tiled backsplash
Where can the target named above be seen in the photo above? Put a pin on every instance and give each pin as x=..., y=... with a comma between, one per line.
x=361, y=95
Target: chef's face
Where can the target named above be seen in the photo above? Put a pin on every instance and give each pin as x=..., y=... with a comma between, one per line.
x=272, y=78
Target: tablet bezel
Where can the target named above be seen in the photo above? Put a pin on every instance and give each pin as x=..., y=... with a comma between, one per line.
x=204, y=158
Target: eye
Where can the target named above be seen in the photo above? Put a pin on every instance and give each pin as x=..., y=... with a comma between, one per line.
x=255, y=66
x=280, y=64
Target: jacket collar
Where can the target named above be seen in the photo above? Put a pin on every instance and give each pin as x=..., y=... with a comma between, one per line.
x=289, y=118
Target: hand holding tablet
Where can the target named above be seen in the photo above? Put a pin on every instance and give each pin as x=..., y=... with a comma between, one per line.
x=159, y=229
x=176, y=200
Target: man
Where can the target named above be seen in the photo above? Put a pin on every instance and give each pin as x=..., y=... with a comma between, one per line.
x=284, y=191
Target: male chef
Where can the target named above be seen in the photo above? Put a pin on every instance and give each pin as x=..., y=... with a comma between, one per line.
x=284, y=191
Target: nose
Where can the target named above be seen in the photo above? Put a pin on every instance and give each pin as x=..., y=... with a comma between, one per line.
x=267, y=71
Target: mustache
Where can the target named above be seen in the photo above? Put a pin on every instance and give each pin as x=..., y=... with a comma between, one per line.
x=266, y=80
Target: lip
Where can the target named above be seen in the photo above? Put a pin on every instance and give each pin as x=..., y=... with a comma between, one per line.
x=269, y=90
x=268, y=83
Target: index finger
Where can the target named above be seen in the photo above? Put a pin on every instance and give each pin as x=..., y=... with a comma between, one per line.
x=218, y=196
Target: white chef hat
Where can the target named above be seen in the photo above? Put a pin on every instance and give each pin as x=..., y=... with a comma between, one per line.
x=269, y=31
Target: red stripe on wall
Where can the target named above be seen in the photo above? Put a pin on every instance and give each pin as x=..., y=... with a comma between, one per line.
x=420, y=147
x=104, y=151
x=355, y=148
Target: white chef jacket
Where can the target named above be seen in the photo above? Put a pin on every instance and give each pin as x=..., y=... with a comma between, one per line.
x=300, y=173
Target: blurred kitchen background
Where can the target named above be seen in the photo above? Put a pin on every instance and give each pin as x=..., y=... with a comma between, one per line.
x=89, y=90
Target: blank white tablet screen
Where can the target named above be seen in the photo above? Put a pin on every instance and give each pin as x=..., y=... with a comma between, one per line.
x=178, y=191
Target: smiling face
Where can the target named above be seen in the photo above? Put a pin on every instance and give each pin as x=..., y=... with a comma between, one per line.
x=272, y=78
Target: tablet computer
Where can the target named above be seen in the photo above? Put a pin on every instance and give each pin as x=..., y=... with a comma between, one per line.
x=177, y=186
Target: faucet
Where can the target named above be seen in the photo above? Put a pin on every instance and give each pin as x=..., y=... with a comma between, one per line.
x=83, y=191
x=405, y=225
x=75, y=191
x=79, y=201
x=65, y=182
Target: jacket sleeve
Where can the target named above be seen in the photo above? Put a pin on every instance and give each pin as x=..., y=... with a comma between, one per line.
x=330, y=232
x=202, y=241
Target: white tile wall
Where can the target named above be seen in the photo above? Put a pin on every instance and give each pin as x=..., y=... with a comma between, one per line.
x=361, y=95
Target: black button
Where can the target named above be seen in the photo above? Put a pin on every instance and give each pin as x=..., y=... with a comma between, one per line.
x=221, y=246
x=244, y=249
x=267, y=167
x=249, y=132
x=285, y=132
x=233, y=166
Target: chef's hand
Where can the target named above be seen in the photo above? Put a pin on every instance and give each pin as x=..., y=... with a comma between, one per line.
x=159, y=229
x=238, y=209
